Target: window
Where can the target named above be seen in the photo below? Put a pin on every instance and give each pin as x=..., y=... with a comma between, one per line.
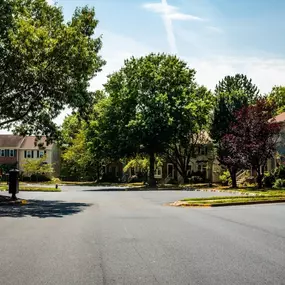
x=41, y=153
x=158, y=172
x=28, y=154
x=202, y=167
x=11, y=154
x=203, y=150
x=3, y=152
x=170, y=170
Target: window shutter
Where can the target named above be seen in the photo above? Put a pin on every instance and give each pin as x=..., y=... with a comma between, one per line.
x=38, y=153
x=25, y=154
x=15, y=152
x=6, y=152
x=32, y=154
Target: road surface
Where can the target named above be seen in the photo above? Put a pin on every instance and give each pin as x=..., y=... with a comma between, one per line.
x=83, y=236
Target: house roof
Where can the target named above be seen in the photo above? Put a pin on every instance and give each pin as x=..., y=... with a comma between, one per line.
x=31, y=142
x=280, y=118
x=10, y=141
x=202, y=138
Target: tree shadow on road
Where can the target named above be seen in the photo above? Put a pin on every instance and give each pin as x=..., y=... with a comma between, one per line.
x=42, y=209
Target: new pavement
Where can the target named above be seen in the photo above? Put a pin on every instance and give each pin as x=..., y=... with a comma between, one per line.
x=88, y=236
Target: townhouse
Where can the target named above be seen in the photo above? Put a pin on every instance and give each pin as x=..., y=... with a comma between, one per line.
x=15, y=149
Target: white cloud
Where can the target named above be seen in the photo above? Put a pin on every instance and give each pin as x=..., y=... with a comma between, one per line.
x=264, y=72
x=169, y=11
x=169, y=14
x=51, y=2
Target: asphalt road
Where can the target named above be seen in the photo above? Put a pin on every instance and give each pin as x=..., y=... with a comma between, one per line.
x=82, y=236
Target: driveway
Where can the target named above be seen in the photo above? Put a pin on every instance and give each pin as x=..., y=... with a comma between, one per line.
x=87, y=235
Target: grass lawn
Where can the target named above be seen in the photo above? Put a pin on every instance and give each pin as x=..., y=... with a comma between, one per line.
x=33, y=189
x=248, y=196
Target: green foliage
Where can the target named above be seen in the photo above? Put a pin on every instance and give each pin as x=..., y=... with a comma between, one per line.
x=280, y=172
x=33, y=189
x=141, y=162
x=239, y=83
x=37, y=167
x=225, y=178
x=149, y=105
x=45, y=63
x=231, y=94
x=279, y=183
x=195, y=179
x=77, y=161
x=277, y=96
x=269, y=179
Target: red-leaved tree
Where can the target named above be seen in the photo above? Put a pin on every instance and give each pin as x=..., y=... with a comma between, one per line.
x=253, y=138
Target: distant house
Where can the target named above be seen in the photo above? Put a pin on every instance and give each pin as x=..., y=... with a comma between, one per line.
x=9, y=150
x=15, y=149
x=203, y=164
x=280, y=147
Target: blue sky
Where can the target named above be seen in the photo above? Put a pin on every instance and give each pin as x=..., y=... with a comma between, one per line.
x=216, y=37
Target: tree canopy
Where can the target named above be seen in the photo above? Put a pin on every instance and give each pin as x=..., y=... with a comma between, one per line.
x=253, y=137
x=277, y=96
x=148, y=97
x=231, y=94
x=45, y=63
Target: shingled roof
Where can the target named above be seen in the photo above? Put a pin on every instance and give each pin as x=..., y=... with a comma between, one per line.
x=10, y=141
x=32, y=143
x=280, y=118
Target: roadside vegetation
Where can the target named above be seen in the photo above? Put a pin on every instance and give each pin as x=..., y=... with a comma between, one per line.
x=150, y=110
x=33, y=189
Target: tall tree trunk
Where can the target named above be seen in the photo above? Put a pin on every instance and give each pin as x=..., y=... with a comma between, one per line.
x=151, y=179
x=259, y=178
x=233, y=173
x=183, y=173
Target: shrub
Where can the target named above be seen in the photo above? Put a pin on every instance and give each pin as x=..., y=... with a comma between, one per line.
x=269, y=180
x=280, y=172
x=195, y=179
x=35, y=178
x=279, y=183
x=225, y=178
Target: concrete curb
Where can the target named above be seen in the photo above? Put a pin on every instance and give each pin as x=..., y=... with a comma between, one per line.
x=185, y=204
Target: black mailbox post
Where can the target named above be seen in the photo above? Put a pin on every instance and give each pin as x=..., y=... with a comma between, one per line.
x=14, y=183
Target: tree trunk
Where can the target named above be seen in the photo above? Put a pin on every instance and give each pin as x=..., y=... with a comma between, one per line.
x=233, y=173
x=183, y=173
x=151, y=179
x=259, y=179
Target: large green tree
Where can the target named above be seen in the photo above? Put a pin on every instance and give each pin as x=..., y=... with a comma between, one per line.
x=45, y=63
x=231, y=94
x=147, y=98
x=191, y=126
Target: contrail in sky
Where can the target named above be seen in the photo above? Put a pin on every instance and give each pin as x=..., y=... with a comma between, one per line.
x=169, y=27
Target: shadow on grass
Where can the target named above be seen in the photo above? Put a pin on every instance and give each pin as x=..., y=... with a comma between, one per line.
x=42, y=209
